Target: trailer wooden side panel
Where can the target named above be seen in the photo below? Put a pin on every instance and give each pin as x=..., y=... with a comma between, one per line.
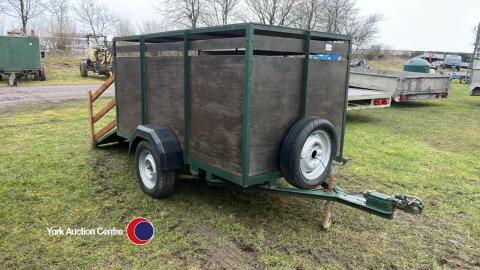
x=127, y=87
x=276, y=102
x=216, y=104
x=165, y=103
x=326, y=93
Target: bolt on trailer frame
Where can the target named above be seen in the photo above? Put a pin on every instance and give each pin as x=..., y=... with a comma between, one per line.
x=209, y=84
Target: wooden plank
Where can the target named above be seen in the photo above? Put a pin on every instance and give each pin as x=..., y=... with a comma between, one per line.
x=218, y=44
x=279, y=44
x=93, y=144
x=326, y=91
x=276, y=100
x=165, y=104
x=319, y=46
x=104, y=86
x=206, y=44
x=166, y=46
x=294, y=45
x=127, y=85
x=127, y=49
x=216, y=111
x=104, y=110
x=105, y=129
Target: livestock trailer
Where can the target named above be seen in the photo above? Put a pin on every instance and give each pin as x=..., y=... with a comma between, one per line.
x=240, y=105
x=20, y=56
x=402, y=85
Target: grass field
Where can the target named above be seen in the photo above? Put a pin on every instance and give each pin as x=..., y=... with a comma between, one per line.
x=60, y=70
x=50, y=178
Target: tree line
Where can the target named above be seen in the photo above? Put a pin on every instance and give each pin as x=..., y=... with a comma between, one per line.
x=61, y=18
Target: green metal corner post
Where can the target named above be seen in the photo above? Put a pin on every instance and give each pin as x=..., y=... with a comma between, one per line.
x=186, y=98
x=247, y=102
x=306, y=61
x=114, y=68
x=347, y=84
x=143, y=82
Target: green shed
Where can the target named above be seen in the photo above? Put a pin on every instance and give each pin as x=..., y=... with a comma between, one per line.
x=417, y=65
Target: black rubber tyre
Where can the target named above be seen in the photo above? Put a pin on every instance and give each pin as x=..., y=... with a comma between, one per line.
x=43, y=76
x=36, y=75
x=293, y=143
x=164, y=180
x=83, y=69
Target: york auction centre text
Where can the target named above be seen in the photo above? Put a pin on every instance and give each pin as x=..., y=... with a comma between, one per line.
x=85, y=231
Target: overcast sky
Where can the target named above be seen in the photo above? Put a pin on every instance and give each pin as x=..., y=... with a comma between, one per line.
x=440, y=25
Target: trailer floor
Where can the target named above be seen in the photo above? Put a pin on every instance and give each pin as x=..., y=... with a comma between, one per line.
x=49, y=177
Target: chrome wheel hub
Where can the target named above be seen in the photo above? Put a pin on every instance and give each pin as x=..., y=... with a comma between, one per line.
x=315, y=155
x=147, y=169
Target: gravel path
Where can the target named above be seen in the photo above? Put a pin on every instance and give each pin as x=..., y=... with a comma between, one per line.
x=14, y=96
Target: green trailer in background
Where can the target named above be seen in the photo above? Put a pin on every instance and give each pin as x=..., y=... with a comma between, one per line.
x=20, y=56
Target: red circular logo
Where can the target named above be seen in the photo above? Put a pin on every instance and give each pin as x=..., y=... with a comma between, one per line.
x=140, y=231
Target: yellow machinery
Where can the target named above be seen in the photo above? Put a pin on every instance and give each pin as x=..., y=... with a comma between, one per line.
x=98, y=58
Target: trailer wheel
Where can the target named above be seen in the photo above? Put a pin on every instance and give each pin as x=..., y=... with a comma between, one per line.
x=307, y=152
x=36, y=75
x=43, y=76
x=12, y=79
x=152, y=180
x=83, y=69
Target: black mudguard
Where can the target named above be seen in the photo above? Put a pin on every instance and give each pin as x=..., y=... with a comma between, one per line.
x=164, y=140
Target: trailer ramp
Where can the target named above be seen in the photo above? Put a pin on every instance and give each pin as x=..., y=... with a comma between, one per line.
x=107, y=134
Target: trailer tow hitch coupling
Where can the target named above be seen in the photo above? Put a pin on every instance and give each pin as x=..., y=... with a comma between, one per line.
x=410, y=204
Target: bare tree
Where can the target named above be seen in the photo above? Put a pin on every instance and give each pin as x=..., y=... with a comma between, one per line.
x=25, y=10
x=150, y=26
x=362, y=29
x=273, y=12
x=62, y=30
x=343, y=17
x=309, y=14
x=98, y=18
x=59, y=10
x=181, y=12
x=220, y=12
x=124, y=28
x=336, y=13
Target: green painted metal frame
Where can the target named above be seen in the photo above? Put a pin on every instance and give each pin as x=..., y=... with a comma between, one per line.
x=383, y=207
x=241, y=26
x=114, y=68
x=347, y=83
x=372, y=202
x=247, y=103
x=306, y=62
x=186, y=98
x=143, y=83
